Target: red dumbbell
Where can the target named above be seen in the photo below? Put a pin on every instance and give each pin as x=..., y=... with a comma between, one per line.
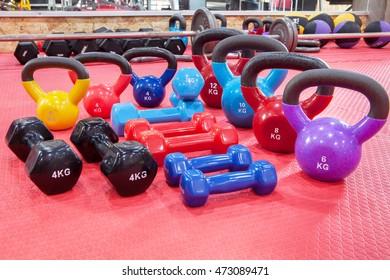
x=218, y=140
x=200, y=122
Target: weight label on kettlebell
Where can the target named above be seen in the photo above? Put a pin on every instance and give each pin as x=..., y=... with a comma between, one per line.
x=138, y=176
x=147, y=96
x=323, y=165
x=57, y=174
x=97, y=108
x=213, y=89
x=275, y=135
x=242, y=108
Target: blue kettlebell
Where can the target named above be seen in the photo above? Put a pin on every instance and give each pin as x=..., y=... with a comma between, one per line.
x=149, y=91
x=176, y=19
x=234, y=105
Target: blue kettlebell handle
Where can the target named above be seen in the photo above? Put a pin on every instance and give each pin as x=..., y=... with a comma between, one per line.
x=154, y=52
x=246, y=43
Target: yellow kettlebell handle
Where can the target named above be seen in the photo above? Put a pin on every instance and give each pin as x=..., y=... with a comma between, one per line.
x=57, y=109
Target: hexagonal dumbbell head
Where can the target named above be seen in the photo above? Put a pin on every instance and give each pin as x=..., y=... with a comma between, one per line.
x=25, y=51
x=189, y=108
x=134, y=127
x=51, y=164
x=186, y=85
x=24, y=133
x=129, y=166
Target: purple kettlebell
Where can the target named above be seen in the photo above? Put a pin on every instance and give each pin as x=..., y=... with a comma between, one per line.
x=328, y=149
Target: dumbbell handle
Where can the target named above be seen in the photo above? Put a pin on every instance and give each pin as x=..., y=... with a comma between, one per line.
x=190, y=143
x=231, y=181
x=163, y=115
x=212, y=163
x=102, y=144
x=32, y=138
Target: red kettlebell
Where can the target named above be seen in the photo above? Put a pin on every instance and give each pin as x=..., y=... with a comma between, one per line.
x=270, y=126
x=211, y=92
x=101, y=97
x=257, y=25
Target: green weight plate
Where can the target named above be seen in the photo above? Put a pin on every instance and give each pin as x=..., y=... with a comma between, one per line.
x=287, y=32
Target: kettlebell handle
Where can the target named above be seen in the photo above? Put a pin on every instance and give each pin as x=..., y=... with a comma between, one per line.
x=248, y=45
x=209, y=35
x=111, y=58
x=177, y=18
x=154, y=52
x=374, y=92
x=257, y=23
x=282, y=60
x=36, y=92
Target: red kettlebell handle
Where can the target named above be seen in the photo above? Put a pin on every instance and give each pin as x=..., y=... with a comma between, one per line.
x=126, y=72
x=284, y=60
x=216, y=34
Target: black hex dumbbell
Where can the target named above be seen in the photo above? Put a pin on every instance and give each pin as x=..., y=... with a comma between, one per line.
x=25, y=51
x=129, y=166
x=51, y=164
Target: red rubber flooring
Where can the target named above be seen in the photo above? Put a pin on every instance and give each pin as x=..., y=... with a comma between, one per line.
x=301, y=219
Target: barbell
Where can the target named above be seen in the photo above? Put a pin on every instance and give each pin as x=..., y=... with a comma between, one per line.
x=282, y=29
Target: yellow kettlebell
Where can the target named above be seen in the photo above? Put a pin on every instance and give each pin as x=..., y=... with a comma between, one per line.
x=57, y=109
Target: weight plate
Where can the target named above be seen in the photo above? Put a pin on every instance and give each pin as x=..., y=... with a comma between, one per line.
x=307, y=49
x=287, y=32
x=309, y=43
x=203, y=19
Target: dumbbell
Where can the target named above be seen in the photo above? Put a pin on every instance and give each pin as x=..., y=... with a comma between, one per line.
x=186, y=85
x=200, y=122
x=125, y=111
x=129, y=166
x=100, y=97
x=108, y=45
x=218, y=140
x=195, y=187
x=26, y=51
x=51, y=165
x=237, y=158
x=149, y=90
x=83, y=45
x=57, y=109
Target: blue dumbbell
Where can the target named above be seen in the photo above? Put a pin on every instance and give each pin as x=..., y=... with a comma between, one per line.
x=122, y=112
x=237, y=158
x=196, y=187
x=186, y=85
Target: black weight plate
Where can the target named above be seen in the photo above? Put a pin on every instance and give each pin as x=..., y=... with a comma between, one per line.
x=287, y=32
x=201, y=20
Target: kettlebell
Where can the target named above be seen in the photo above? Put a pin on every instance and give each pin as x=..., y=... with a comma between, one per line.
x=234, y=105
x=222, y=20
x=328, y=149
x=257, y=25
x=178, y=23
x=57, y=109
x=270, y=126
x=100, y=97
x=149, y=91
x=211, y=92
